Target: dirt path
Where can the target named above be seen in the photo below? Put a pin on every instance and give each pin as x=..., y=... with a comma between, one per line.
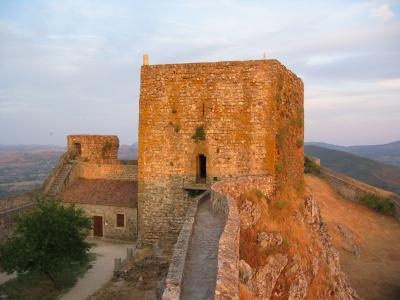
x=375, y=273
x=4, y=277
x=201, y=265
x=101, y=272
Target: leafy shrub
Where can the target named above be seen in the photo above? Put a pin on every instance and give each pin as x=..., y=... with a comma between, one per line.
x=279, y=167
x=310, y=166
x=280, y=204
x=199, y=135
x=297, y=121
x=47, y=240
x=280, y=137
x=299, y=143
x=380, y=204
x=258, y=193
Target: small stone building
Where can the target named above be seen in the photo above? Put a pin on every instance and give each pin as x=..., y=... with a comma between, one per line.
x=112, y=204
x=203, y=122
x=91, y=177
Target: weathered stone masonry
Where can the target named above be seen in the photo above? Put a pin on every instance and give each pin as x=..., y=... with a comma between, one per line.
x=91, y=176
x=250, y=119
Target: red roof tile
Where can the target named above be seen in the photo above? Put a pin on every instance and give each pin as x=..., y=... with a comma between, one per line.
x=102, y=192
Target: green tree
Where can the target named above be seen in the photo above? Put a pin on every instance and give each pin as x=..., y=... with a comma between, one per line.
x=47, y=240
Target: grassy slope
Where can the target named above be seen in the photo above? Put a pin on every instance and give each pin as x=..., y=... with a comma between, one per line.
x=372, y=172
x=375, y=273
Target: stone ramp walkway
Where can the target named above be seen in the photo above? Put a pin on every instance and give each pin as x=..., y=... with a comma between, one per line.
x=201, y=265
x=102, y=270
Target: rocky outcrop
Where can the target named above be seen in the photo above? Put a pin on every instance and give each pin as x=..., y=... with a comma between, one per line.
x=269, y=239
x=249, y=214
x=265, y=279
x=348, y=240
x=303, y=271
x=338, y=286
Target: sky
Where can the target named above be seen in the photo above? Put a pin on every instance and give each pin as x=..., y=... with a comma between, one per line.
x=72, y=67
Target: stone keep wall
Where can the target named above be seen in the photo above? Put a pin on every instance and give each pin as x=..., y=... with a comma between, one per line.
x=94, y=148
x=109, y=214
x=236, y=104
x=289, y=100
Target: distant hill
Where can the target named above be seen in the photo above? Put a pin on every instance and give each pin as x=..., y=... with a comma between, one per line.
x=24, y=167
x=386, y=153
x=369, y=171
x=127, y=151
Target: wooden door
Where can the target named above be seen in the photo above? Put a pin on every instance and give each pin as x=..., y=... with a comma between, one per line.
x=98, y=226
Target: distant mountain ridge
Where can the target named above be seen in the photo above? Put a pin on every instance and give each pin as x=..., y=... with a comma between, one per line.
x=375, y=173
x=386, y=153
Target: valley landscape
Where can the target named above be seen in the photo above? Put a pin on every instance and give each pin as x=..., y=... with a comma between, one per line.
x=24, y=167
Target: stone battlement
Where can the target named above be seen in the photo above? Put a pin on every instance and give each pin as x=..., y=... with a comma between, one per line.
x=93, y=148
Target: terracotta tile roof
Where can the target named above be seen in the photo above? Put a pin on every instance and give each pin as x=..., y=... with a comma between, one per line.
x=102, y=192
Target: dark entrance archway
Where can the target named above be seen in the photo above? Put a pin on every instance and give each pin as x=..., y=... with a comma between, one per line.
x=201, y=169
x=77, y=150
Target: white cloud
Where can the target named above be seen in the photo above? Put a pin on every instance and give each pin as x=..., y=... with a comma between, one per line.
x=317, y=60
x=390, y=83
x=383, y=12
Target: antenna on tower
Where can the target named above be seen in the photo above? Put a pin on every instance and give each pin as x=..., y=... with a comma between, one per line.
x=264, y=55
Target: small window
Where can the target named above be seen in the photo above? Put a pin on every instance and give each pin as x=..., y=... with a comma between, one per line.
x=120, y=220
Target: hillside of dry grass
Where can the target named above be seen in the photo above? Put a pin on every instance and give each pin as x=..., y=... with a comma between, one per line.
x=368, y=242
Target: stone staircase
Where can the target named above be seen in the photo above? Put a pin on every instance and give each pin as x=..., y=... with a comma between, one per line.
x=58, y=178
x=59, y=181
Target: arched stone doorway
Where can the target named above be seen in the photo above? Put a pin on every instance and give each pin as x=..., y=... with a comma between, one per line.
x=201, y=174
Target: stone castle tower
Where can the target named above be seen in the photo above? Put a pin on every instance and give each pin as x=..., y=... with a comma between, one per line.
x=203, y=122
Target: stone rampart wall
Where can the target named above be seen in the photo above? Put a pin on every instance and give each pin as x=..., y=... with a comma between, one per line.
x=16, y=201
x=224, y=199
x=173, y=282
x=7, y=216
x=88, y=170
x=353, y=189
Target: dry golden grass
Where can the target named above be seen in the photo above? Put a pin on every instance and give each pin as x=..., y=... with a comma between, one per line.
x=246, y=294
x=320, y=285
x=375, y=274
x=277, y=215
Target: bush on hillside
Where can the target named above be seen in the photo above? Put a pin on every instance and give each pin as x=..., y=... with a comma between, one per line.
x=310, y=167
x=380, y=204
